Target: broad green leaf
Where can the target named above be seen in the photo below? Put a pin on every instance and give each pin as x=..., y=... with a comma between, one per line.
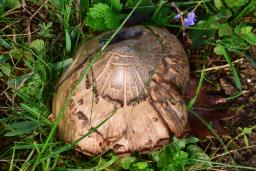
x=225, y=30
x=116, y=5
x=164, y=157
x=112, y=21
x=245, y=32
x=6, y=69
x=101, y=17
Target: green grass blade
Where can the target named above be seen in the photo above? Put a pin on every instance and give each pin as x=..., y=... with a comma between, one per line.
x=199, y=86
x=220, y=50
x=12, y=161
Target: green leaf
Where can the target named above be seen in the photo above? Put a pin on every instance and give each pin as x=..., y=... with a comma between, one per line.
x=6, y=69
x=225, y=30
x=245, y=32
x=56, y=3
x=246, y=141
x=154, y=155
x=1, y=8
x=68, y=40
x=218, y=4
x=4, y=43
x=247, y=130
x=127, y=161
x=204, y=31
x=112, y=20
x=162, y=14
x=116, y=5
x=19, y=128
x=234, y=43
x=104, y=164
x=164, y=157
x=192, y=140
x=236, y=4
x=196, y=153
x=101, y=17
x=141, y=165
x=3, y=59
x=12, y=3
x=224, y=13
x=180, y=143
x=37, y=45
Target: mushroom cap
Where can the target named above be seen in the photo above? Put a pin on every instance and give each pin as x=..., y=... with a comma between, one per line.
x=139, y=80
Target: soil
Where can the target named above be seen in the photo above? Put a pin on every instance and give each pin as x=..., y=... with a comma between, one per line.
x=243, y=108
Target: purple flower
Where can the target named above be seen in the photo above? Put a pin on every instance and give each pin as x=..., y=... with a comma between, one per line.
x=190, y=19
x=176, y=17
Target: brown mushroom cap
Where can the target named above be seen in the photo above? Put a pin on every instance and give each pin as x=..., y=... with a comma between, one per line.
x=142, y=79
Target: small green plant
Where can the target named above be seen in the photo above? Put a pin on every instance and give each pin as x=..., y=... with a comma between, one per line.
x=46, y=29
x=180, y=155
x=102, y=17
x=106, y=14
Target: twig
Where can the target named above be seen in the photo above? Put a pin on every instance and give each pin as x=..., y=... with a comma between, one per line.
x=233, y=151
x=220, y=66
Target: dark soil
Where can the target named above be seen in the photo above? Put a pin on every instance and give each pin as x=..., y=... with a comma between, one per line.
x=243, y=108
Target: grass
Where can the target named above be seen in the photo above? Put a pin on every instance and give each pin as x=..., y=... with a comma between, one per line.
x=37, y=42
